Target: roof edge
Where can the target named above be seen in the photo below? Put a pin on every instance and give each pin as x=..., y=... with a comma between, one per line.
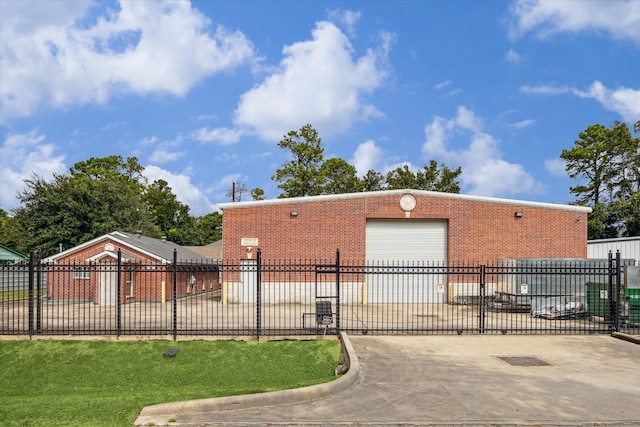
x=370, y=194
x=116, y=236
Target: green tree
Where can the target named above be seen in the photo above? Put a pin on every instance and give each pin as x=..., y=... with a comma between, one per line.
x=11, y=233
x=257, y=194
x=98, y=197
x=372, y=181
x=401, y=178
x=208, y=229
x=438, y=178
x=606, y=164
x=300, y=176
x=170, y=216
x=339, y=177
x=589, y=162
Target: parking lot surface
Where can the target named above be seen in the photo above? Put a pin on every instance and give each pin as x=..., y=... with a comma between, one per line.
x=470, y=380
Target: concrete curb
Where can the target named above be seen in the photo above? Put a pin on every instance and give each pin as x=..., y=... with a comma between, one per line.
x=162, y=413
x=631, y=338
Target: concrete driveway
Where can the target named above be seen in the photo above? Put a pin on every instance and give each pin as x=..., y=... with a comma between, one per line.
x=470, y=380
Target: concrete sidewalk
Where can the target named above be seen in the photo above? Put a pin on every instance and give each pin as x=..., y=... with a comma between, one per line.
x=447, y=380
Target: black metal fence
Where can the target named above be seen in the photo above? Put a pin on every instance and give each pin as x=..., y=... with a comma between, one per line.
x=275, y=298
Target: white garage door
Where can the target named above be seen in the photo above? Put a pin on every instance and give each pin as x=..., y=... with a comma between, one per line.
x=405, y=244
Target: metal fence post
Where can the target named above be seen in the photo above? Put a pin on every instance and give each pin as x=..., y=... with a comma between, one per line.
x=118, y=294
x=258, y=293
x=618, y=290
x=30, y=303
x=337, y=291
x=483, y=291
x=38, y=272
x=174, y=298
x=611, y=302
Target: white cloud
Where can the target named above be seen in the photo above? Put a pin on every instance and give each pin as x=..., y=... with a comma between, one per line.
x=545, y=90
x=162, y=156
x=624, y=101
x=556, y=167
x=522, y=124
x=318, y=82
x=222, y=136
x=346, y=18
x=444, y=84
x=184, y=190
x=49, y=59
x=619, y=18
x=366, y=157
x=513, y=57
x=22, y=156
x=484, y=172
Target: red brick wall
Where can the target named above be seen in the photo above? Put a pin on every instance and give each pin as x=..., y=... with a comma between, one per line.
x=149, y=274
x=479, y=230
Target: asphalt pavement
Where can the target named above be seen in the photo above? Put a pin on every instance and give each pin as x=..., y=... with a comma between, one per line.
x=447, y=380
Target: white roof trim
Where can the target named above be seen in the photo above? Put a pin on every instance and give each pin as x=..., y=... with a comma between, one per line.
x=114, y=255
x=371, y=194
x=115, y=236
x=613, y=240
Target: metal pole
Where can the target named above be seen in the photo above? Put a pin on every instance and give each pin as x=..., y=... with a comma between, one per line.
x=337, y=291
x=38, y=293
x=618, y=277
x=483, y=290
x=258, y=293
x=118, y=294
x=610, y=297
x=175, y=295
x=31, y=273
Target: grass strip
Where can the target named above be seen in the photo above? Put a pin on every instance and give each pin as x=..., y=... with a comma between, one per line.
x=106, y=383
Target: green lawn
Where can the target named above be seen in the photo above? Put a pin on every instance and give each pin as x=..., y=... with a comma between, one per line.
x=104, y=383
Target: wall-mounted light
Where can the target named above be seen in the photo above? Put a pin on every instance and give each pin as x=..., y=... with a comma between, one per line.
x=518, y=214
x=293, y=213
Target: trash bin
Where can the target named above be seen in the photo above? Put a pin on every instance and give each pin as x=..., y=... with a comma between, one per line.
x=598, y=300
x=633, y=298
x=324, y=313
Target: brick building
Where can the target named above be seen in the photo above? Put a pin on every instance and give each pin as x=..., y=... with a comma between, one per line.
x=89, y=272
x=403, y=225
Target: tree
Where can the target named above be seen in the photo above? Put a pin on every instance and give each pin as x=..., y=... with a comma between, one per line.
x=257, y=194
x=98, y=197
x=170, y=216
x=11, y=234
x=401, y=178
x=432, y=178
x=339, y=177
x=238, y=189
x=113, y=167
x=372, y=181
x=435, y=178
x=208, y=229
x=606, y=162
x=589, y=162
x=300, y=176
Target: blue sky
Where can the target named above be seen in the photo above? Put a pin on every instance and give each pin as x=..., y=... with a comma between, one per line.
x=202, y=91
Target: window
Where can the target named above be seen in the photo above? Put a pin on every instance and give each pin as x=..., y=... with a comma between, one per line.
x=130, y=281
x=81, y=273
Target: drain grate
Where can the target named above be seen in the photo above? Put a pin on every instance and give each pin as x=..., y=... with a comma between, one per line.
x=523, y=360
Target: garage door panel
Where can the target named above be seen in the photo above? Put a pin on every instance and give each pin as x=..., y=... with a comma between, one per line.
x=405, y=243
